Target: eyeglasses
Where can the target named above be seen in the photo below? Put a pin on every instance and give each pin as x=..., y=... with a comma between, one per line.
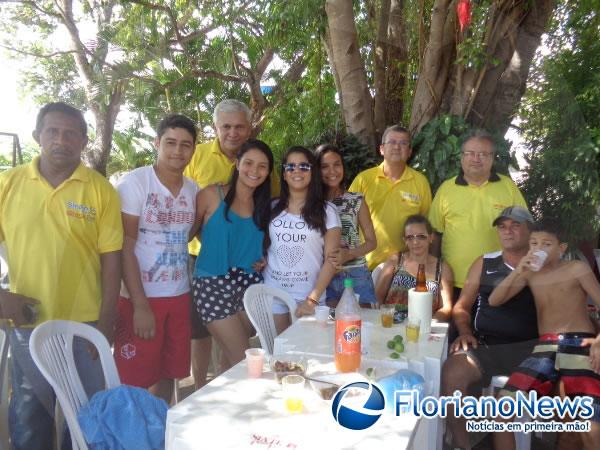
x=480, y=155
x=303, y=166
x=393, y=143
x=416, y=237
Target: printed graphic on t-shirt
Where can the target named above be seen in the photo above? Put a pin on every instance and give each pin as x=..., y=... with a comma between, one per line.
x=290, y=239
x=161, y=213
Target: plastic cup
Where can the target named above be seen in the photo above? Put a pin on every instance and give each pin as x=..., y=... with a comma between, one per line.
x=322, y=315
x=255, y=358
x=387, y=316
x=293, y=392
x=539, y=260
x=413, y=327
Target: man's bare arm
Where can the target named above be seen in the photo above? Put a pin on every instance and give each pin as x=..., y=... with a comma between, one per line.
x=461, y=313
x=110, y=268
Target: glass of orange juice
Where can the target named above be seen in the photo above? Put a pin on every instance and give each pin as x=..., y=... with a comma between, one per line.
x=387, y=316
x=413, y=328
x=293, y=390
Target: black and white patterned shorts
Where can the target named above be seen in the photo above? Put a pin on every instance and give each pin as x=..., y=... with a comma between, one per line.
x=219, y=297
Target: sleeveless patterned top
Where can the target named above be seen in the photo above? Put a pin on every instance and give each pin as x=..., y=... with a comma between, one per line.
x=403, y=281
x=348, y=205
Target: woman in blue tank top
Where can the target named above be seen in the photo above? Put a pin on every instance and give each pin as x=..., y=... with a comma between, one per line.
x=233, y=219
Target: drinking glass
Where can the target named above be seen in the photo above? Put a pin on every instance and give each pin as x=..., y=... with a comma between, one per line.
x=387, y=316
x=412, y=330
x=293, y=389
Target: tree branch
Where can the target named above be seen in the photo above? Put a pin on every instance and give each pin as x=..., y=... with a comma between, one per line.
x=37, y=55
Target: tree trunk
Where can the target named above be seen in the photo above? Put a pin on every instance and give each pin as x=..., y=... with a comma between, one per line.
x=488, y=94
x=397, y=64
x=437, y=62
x=380, y=64
x=497, y=102
x=351, y=71
x=97, y=154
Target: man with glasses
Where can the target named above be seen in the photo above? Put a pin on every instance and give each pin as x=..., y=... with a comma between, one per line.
x=393, y=191
x=465, y=206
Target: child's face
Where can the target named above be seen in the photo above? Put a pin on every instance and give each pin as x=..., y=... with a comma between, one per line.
x=541, y=240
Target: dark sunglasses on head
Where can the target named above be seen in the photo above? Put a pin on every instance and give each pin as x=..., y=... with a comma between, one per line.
x=290, y=167
x=418, y=237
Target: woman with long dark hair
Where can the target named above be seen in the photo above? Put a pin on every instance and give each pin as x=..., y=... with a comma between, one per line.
x=233, y=220
x=355, y=217
x=304, y=230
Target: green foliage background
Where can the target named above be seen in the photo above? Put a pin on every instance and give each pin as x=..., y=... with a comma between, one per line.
x=561, y=123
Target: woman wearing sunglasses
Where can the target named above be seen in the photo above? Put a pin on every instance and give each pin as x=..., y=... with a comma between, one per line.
x=400, y=270
x=354, y=216
x=234, y=219
x=304, y=230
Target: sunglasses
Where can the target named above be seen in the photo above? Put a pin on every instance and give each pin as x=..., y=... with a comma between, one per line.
x=303, y=166
x=418, y=237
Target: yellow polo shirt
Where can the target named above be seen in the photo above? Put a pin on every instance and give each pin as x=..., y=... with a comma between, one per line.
x=464, y=213
x=209, y=165
x=390, y=203
x=54, y=238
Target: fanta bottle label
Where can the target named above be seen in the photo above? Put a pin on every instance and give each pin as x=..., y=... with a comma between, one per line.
x=347, y=336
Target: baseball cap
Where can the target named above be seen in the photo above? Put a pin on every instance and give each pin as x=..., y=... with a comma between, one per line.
x=516, y=213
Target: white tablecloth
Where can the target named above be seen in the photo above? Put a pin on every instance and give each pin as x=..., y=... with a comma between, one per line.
x=234, y=412
x=425, y=357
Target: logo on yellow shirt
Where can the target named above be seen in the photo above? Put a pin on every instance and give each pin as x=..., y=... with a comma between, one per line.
x=409, y=196
x=81, y=211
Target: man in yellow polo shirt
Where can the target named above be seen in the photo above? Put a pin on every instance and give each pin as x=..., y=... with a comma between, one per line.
x=465, y=206
x=213, y=163
x=393, y=191
x=61, y=225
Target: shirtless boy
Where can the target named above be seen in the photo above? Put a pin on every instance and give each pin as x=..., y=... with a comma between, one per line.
x=560, y=289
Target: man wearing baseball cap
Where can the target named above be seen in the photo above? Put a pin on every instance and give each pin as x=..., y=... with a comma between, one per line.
x=492, y=340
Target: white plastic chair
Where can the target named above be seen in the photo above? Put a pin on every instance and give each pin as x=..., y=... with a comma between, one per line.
x=51, y=346
x=376, y=272
x=258, y=302
x=3, y=391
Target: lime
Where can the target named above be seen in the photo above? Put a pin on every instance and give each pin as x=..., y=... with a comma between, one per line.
x=399, y=347
x=398, y=338
x=394, y=355
x=391, y=345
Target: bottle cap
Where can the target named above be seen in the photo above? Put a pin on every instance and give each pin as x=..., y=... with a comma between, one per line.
x=348, y=282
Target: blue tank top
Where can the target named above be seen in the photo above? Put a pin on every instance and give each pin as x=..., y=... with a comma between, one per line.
x=236, y=242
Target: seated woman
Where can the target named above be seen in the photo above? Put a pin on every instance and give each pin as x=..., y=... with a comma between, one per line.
x=400, y=271
x=303, y=232
x=354, y=215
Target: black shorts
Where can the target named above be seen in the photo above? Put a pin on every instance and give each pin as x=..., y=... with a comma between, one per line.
x=498, y=359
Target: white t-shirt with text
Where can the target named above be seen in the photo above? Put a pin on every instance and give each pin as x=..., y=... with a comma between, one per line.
x=163, y=228
x=295, y=255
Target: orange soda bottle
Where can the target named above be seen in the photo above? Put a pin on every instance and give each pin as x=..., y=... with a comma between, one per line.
x=347, y=331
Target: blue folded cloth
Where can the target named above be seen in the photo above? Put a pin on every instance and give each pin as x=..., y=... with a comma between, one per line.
x=402, y=380
x=125, y=417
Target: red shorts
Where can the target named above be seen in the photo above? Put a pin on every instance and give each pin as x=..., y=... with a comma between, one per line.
x=144, y=362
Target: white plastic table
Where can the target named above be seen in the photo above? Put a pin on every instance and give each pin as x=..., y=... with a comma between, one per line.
x=425, y=357
x=235, y=412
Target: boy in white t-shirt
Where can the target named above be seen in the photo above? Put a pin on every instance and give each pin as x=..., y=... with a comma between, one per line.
x=152, y=342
